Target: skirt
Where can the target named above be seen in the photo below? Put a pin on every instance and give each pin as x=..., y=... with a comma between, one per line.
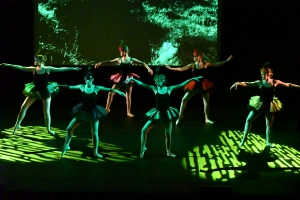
x=97, y=113
x=203, y=85
x=50, y=91
x=256, y=104
x=119, y=78
x=162, y=116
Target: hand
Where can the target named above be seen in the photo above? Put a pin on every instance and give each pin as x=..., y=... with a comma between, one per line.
x=128, y=80
x=77, y=68
x=98, y=64
x=121, y=93
x=234, y=86
x=229, y=58
x=167, y=66
x=3, y=64
x=150, y=71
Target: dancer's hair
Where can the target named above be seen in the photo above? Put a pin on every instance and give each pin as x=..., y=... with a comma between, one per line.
x=197, y=53
x=40, y=58
x=266, y=69
x=157, y=77
x=123, y=47
x=89, y=73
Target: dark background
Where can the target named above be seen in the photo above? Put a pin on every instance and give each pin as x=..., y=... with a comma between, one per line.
x=253, y=31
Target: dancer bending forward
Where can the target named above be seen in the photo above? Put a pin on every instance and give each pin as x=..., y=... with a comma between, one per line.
x=163, y=112
x=87, y=111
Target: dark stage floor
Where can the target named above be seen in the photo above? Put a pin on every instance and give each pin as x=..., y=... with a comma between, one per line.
x=208, y=160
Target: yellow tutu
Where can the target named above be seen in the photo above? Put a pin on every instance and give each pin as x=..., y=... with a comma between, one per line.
x=256, y=104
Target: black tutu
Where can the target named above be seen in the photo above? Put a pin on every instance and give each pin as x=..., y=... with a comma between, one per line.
x=97, y=113
x=163, y=116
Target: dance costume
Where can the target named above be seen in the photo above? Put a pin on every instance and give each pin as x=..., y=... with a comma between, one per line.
x=203, y=84
x=266, y=102
x=88, y=110
x=162, y=112
x=40, y=88
x=125, y=72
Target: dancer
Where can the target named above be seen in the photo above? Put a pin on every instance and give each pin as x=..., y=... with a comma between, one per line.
x=162, y=112
x=266, y=103
x=87, y=111
x=125, y=72
x=40, y=88
x=198, y=68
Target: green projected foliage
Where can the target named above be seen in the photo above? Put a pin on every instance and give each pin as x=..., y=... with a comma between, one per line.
x=34, y=144
x=224, y=161
x=82, y=32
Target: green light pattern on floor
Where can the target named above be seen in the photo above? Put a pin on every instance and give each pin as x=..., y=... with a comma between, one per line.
x=224, y=155
x=34, y=144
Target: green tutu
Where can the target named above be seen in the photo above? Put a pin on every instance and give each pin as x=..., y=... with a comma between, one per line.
x=50, y=91
x=256, y=104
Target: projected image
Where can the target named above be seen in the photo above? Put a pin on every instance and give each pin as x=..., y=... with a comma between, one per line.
x=83, y=32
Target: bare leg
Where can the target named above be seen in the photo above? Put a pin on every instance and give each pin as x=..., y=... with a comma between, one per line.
x=269, y=127
x=184, y=100
x=144, y=132
x=95, y=138
x=128, y=90
x=251, y=117
x=26, y=104
x=71, y=127
x=110, y=98
x=168, y=132
x=47, y=116
x=205, y=96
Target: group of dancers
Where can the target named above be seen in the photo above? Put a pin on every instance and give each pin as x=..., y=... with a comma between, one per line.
x=88, y=111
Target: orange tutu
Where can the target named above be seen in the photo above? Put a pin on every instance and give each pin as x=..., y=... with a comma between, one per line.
x=205, y=85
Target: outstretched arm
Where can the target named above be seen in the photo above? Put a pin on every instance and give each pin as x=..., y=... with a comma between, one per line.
x=245, y=84
x=283, y=84
x=145, y=65
x=139, y=83
x=18, y=67
x=106, y=61
x=101, y=88
x=72, y=87
x=63, y=69
x=174, y=87
x=218, y=64
x=179, y=69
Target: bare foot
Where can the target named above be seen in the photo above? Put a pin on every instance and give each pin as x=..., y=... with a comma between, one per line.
x=171, y=154
x=209, y=121
x=16, y=128
x=51, y=132
x=65, y=149
x=98, y=155
x=142, y=152
x=242, y=143
x=107, y=110
x=178, y=119
x=130, y=115
x=270, y=145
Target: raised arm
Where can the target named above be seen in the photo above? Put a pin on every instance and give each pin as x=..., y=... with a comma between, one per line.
x=179, y=69
x=175, y=87
x=63, y=69
x=139, y=83
x=145, y=65
x=101, y=88
x=283, y=84
x=218, y=64
x=107, y=61
x=18, y=67
x=245, y=84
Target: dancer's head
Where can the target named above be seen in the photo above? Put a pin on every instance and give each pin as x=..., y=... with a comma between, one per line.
x=198, y=55
x=266, y=71
x=39, y=59
x=123, y=48
x=160, y=79
x=89, y=78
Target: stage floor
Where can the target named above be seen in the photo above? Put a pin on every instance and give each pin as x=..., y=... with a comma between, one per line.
x=208, y=158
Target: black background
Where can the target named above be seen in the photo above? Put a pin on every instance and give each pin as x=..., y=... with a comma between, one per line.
x=253, y=31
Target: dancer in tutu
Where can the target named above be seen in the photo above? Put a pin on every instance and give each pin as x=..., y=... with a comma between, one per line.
x=125, y=72
x=87, y=111
x=198, y=67
x=163, y=112
x=266, y=103
x=40, y=88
